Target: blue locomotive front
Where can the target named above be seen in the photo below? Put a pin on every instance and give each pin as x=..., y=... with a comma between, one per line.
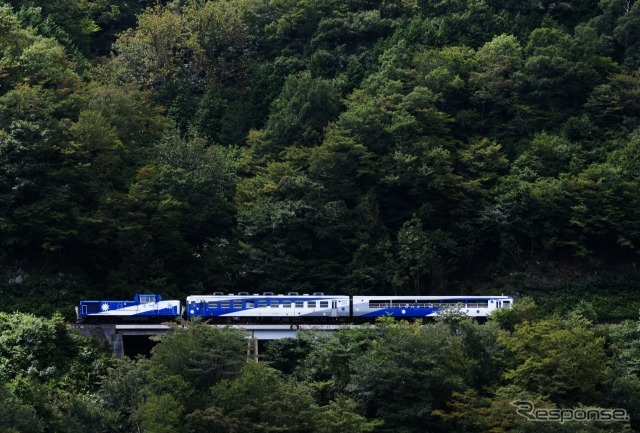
x=143, y=307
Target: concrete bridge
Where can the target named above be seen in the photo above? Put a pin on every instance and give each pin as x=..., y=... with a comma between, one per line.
x=122, y=338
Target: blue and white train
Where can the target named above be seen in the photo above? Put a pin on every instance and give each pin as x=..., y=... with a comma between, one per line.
x=293, y=307
x=426, y=306
x=268, y=307
x=149, y=307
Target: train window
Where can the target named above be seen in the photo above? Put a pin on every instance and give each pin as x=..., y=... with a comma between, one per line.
x=224, y=304
x=262, y=303
x=380, y=303
x=249, y=304
x=299, y=304
x=274, y=303
x=212, y=304
x=146, y=299
x=453, y=302
x=311, y=304
x=286, y=304
x=324, y=304
x=477, y=304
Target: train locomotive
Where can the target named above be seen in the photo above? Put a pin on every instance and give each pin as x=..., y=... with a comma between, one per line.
x=143, y=307
x=292, y=307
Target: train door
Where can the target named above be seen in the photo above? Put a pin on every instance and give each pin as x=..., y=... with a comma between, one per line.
x=84, y=309
x=334, y=308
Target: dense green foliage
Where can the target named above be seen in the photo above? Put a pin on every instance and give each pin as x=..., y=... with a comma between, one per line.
x=344, y=146
x=351, y=146
x=452, y=375
x=45, y=373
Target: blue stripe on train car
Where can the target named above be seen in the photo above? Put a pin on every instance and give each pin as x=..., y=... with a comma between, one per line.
x=209, y=311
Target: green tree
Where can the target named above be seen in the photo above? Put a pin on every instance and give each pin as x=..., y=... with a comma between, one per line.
x=341, y=416
x=210, y=419
x=626, y=32
x=16, y=416
x=200, y=354
x=605, y=196
x=420, y=254
x=121, y=391
x=84, y=412
x=558, y=72
x=75, y=19
x=46, y=372
x=194, y=51
x=45, y=349
x=174, y=220
x=36, y=99
x=95, y=156
x=562, y=359
x=262, y=400
x=471, y=411
x=153, y=53
x=159, y=414
x=407, y=373
x=446, y=72
x=622, y=349
x=328, y=365
x=36, y=212
x=287, y=353
x=299, y=114
x=549, y=156
x=614, y=104
x=221, y=31
x=498, y=61
x=524, y=310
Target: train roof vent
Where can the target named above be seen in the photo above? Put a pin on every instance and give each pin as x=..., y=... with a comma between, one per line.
x=218, y=294
x=292, y=293
x=318, y=293
x=268, y=294
x=243, y=293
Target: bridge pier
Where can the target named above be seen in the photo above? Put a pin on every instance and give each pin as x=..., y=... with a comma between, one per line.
x=104, y=334
x=117, y=345
x=253, y=353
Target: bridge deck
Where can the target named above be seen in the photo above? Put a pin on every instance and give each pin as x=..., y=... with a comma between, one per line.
x=113, y=333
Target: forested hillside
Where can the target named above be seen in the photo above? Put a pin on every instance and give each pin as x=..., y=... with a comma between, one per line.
x=453, y=375
x=345, y=146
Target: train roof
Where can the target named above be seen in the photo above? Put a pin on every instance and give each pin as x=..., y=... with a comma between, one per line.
x=136, y=298
x=434, y=298
x=270, y=295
